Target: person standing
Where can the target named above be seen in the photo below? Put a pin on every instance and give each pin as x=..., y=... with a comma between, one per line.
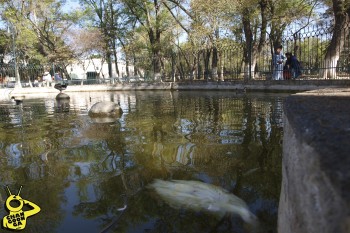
x=293, y=65
x=36, y=82
x=277, y=60
x=47, y=78
x=58, y=77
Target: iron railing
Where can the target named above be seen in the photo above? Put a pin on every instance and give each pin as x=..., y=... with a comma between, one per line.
x=240, y=61
x=234, y=61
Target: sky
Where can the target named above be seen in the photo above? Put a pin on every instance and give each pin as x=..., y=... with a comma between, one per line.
x=71, y=5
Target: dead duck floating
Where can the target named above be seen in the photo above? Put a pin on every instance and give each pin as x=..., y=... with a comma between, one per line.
x=201, y=196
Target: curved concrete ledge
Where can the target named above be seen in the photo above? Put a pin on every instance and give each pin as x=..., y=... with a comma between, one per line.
x=252, y=85
x=262, y=85
x=315, y=194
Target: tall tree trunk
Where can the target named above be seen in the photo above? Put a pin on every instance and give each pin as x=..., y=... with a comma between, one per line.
x=341, y=10
x=276, y=35
x=155, y=46
x=199, y=66
x=156, y=63
x=193, y=66
x=115, y=58
x=127, y=62
x=214, y=64
x=135, y=68
x=253, y=47
x=206, y=55
x=154, y=36
x=127, y=65
x=254, y=59
x=109, y=62
x=277, y=29
x=248, y=43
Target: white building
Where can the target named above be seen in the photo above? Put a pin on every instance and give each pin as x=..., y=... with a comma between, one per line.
x=97, y=66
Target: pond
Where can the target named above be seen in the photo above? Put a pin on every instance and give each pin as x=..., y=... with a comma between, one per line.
x=94, y=177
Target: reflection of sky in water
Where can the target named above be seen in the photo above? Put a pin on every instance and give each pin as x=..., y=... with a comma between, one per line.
x=14, y=154
x=186, y=126
x=75, y=223
x=50, y=106
x=84, y=168
x=15, y=119
x=160, y=135
x=185, y=154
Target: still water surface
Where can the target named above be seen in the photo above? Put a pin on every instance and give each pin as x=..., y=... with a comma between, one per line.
x=81, y=173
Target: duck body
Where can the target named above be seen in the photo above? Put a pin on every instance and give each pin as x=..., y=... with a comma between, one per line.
x=201, y=196
x=61, y=86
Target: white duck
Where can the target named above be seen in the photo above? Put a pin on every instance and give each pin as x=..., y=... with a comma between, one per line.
x=201, y=196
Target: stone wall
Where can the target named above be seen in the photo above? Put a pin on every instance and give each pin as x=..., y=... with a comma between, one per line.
x=315, y=194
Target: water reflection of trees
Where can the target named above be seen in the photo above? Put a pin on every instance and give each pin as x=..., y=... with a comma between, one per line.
x=233, y=142
x=229, y=140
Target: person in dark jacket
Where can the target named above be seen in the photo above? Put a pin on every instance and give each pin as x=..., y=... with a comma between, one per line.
x=293, y=66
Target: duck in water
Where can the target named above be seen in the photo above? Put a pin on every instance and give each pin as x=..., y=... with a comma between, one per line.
x=61, y=86
x=201, y=196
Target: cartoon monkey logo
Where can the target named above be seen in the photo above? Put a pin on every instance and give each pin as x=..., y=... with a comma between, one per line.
x=17, y=218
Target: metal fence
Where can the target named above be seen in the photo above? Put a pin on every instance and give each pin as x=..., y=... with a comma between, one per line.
x=234, y=61
x=239, y=61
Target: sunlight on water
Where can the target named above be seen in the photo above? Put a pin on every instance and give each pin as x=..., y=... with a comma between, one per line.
x=89, y=176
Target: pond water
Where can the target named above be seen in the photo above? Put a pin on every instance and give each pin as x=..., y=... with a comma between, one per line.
x=82, y=173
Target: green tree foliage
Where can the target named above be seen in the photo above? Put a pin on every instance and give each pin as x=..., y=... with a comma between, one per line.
x=341, y=16
x=155, y=21
x=154, y=30
x=105, y=16
x=4, y=45
x=40, y=28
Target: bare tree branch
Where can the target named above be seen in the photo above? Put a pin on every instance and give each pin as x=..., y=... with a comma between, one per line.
x=176, y=19
x=182, y=8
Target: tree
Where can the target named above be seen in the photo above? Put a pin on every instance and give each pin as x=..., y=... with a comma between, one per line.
x=103, y=19
x=40, y=28
x=212, y=18
x=87, y=45
x=341, y=11
x=283, y=13
x=253, y=15
x=206, y=24
x=154, y=18
x=4, y=45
